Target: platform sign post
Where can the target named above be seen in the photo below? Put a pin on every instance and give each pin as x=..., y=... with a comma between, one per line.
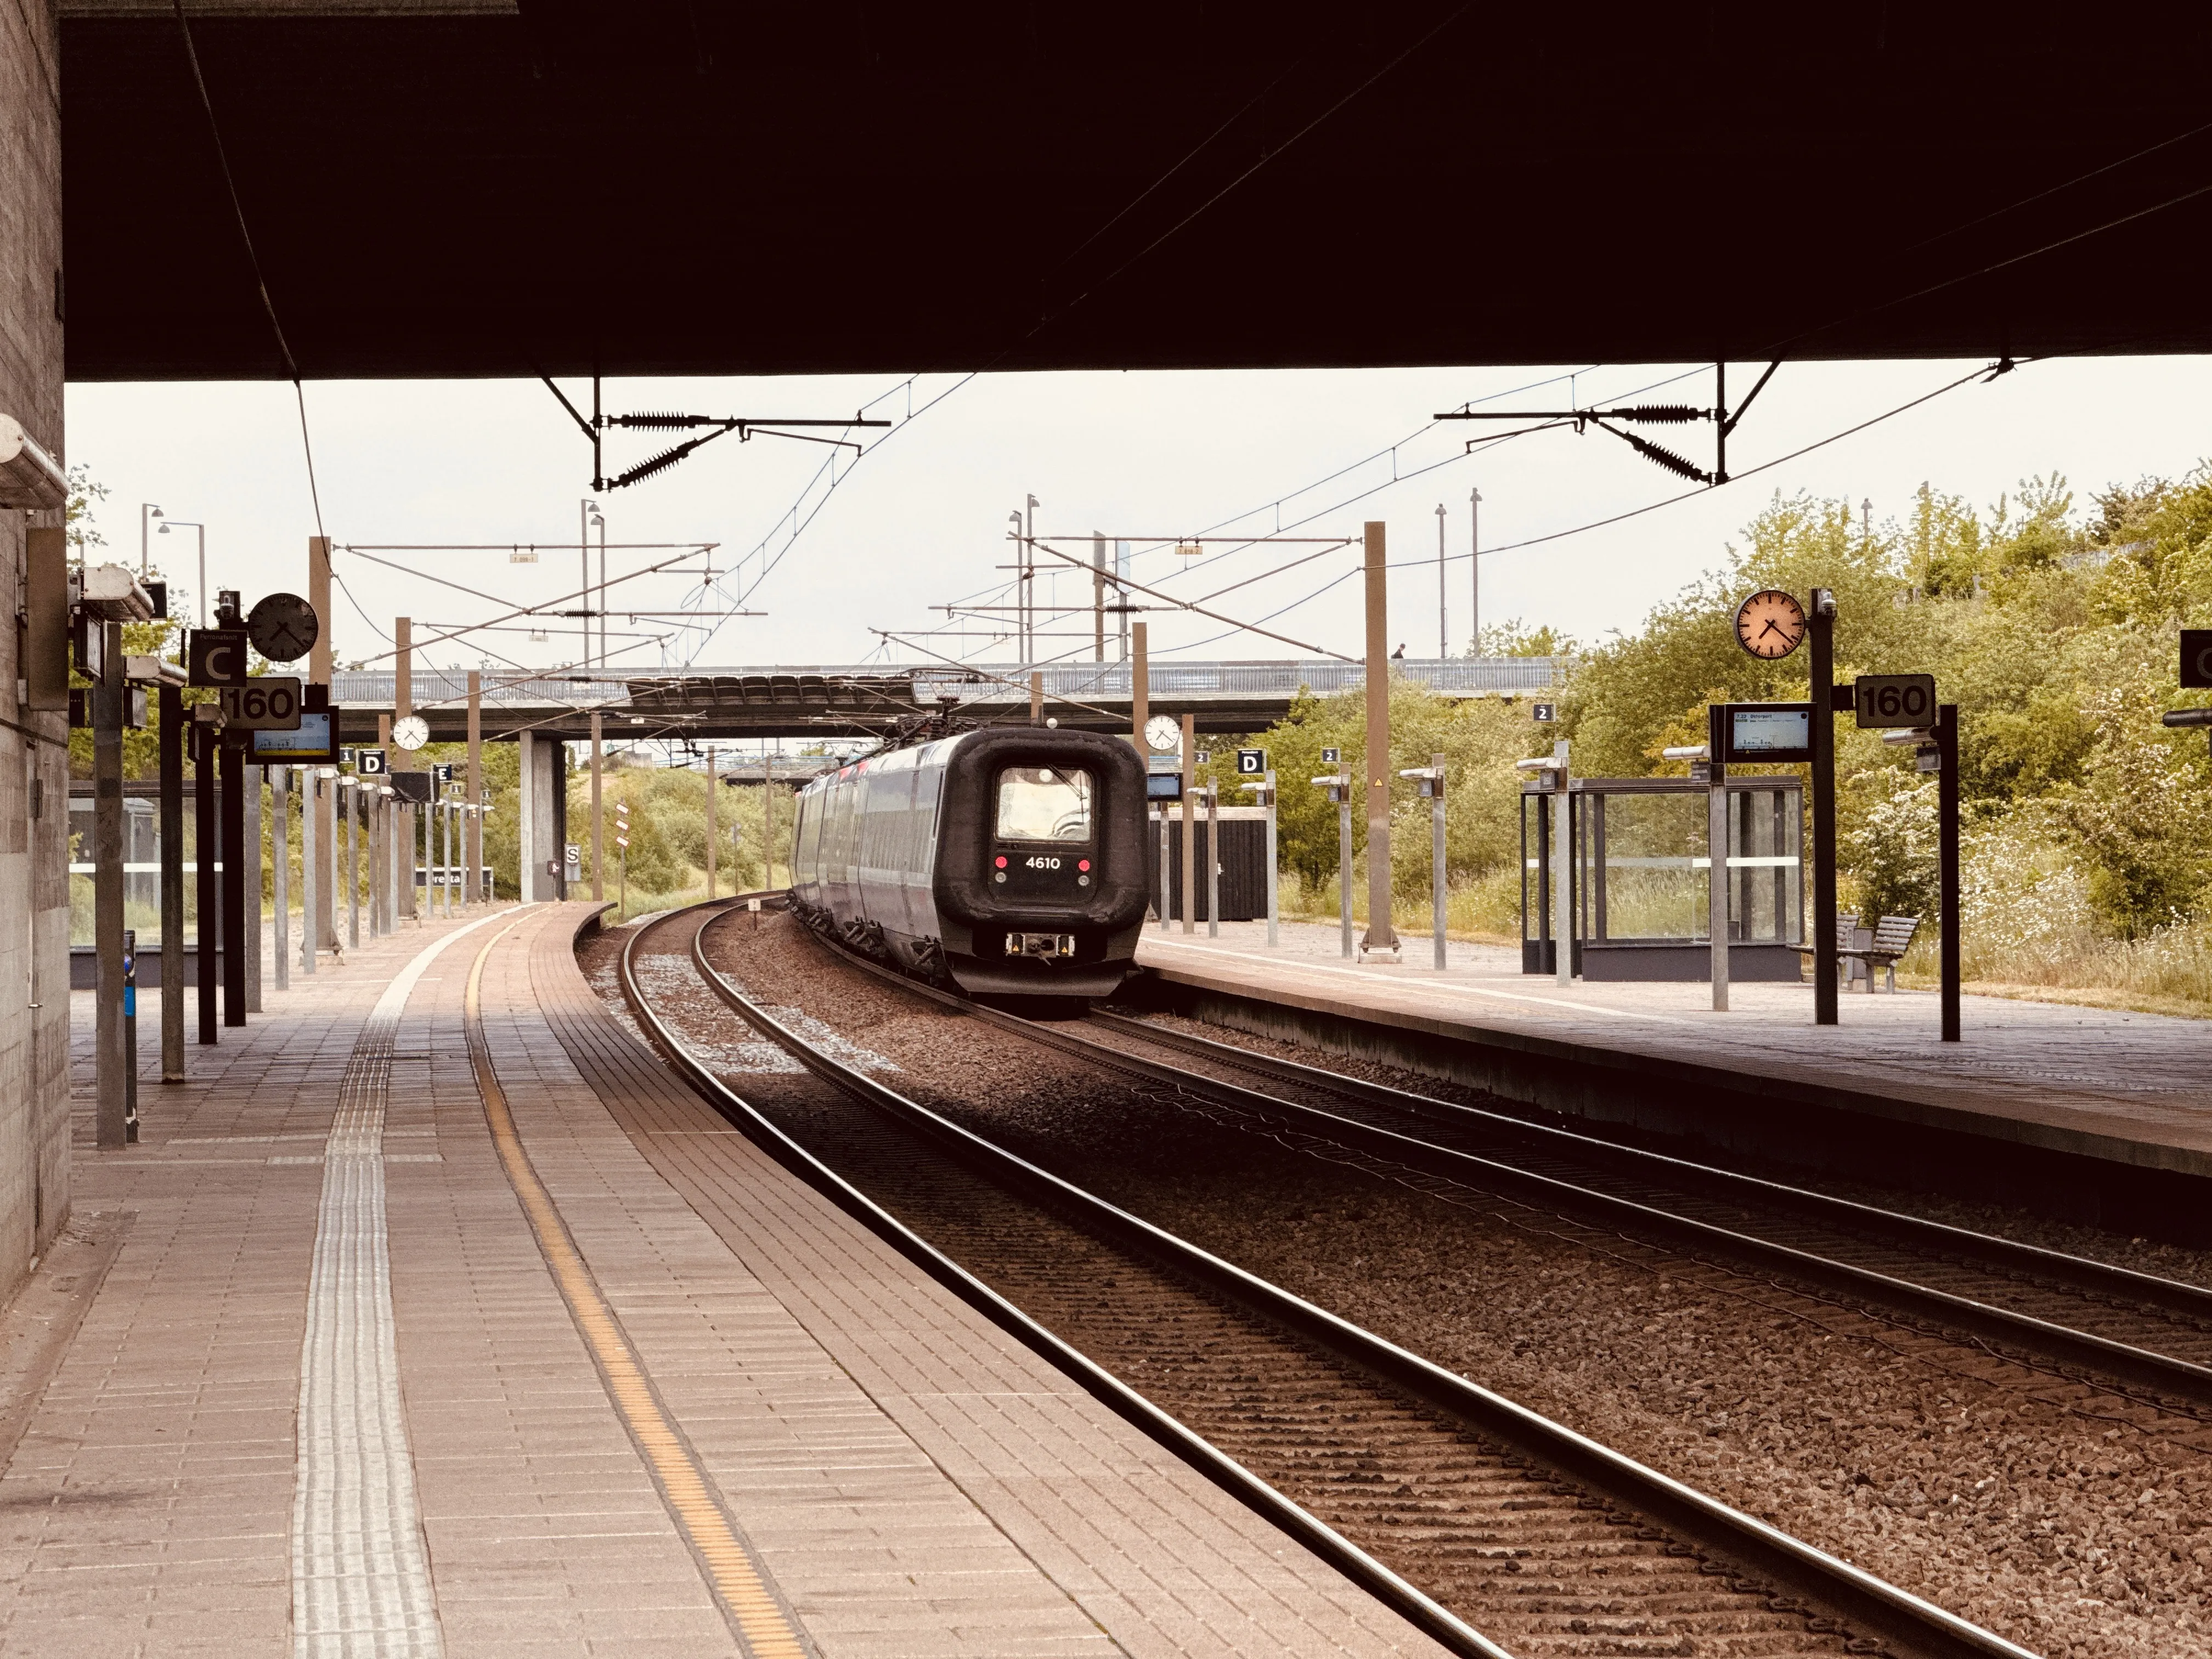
x=1717, y=840
x=1250, y=761
x=1189, y=827
x=1946, y=855
x=1212, y=860
x=1431, y=778
x=280, y=858
x=1563, y=867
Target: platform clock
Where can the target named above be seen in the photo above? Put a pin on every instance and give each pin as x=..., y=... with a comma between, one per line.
x=410, y=732
x=1771, y=624
x=1163, y=733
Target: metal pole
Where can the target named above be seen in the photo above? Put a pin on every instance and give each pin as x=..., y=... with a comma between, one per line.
x=1097, y=596
x=711, y=848
x=1140, y=698
x=599, y=821
x=352, y=799
x=252, y=875
x=1213, y=860
x=1439, y=894
x=236, y=861
x=109, y=1060
x=768, y=817
x=130, y=1036
x=207, y=853
x=173, y=884
x=310, y=842
x=1717, y=851
x=1475, y=569
x=323, y=925
x=1382, y=937
x=1563, y=865
x=403, y=704
x=1189, y=827
x=280, y=855
x=1444, y=626
x=453, y=851
x=472, y=840
x=1821, y=626
x=1167, y=870
x=1947, y=832
x=1274, y=909
x=1344, y=854
x=1037, y=696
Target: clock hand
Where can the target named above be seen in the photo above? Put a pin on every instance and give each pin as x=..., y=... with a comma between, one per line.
x=1770, y=627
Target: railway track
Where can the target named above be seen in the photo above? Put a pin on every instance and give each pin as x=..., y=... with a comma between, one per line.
x=2148, y=1338
x=1495, y=1530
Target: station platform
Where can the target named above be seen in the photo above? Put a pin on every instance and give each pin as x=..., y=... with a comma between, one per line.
x=2106, y=1114
x=433, y=1315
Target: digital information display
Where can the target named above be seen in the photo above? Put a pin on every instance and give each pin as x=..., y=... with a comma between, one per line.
x=1769, y=731
x=316, y=742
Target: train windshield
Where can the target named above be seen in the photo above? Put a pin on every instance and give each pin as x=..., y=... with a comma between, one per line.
x=1044, y=803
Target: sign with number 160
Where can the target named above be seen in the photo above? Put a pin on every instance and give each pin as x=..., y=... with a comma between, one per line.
x=1882, y=701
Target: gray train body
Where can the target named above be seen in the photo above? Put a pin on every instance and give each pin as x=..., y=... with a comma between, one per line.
x=1009, y=861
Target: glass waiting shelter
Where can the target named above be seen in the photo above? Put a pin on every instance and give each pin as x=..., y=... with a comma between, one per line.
x=1640, y=882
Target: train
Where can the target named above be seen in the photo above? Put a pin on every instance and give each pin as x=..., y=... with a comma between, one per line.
x=1007, y=861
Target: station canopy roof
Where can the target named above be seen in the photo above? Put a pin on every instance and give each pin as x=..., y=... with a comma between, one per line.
x=459, y=188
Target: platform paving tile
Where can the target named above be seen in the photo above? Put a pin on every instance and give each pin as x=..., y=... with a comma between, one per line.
x=1034, y=1460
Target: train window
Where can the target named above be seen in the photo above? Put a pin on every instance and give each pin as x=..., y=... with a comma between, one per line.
x=1044, y=803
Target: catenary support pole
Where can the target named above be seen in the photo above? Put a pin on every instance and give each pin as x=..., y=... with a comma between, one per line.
x=714, y=851
x=280, y=874
x=1037, y=696
x=1946, y=834
x=600, y=818
x=1097, y=596
x=472, y=840
x=1443, y=623
x=1382, y=938
x=1716, y=850
x=1562, y=869
x=767, y=823
x=1475, y=570
x=207, y=880
x=1140, y=697
x=173, y=884
x=1821, y=626
x=111, y=1117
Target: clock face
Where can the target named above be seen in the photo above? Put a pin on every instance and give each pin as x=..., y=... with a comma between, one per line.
x=284, y=627
x=1770, y=623
x=1165, y=733
x=410, y=732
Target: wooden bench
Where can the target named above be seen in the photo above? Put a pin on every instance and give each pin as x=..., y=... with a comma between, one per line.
x=1889, y=939
x=1860, y=951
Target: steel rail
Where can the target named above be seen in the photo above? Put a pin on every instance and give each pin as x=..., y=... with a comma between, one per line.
x=1919, y=1627
x=2006, y=1255
x=2063, y=1345
x=1416, y=1607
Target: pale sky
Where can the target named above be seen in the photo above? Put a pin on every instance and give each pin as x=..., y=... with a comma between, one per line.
x=921, y=520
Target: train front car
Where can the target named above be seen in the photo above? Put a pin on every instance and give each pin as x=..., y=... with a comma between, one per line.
x=1040, y=878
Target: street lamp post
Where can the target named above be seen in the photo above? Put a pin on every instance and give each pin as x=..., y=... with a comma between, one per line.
x=147, y=513
x=199, y=593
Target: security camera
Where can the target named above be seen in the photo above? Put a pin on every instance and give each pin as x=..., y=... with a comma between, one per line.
x=29, y=477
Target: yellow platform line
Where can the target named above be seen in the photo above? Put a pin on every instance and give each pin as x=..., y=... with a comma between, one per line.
x=731, y=1571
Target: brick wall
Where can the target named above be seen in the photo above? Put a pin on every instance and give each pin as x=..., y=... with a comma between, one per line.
x=34, y=1171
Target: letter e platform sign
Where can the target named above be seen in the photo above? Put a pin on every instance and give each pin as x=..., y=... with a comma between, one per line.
x=2196, y=659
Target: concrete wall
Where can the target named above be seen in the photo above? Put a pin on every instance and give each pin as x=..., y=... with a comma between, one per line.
x=34, y=1171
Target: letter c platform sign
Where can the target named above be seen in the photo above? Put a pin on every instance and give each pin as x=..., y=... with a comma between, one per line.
x=216, y=656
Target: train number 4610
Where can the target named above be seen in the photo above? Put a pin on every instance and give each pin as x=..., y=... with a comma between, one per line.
x=1036, y=862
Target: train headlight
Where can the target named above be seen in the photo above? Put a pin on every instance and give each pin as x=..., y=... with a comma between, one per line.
x=1000, y=861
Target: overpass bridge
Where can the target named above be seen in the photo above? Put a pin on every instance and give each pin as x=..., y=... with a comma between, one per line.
x=875, y=699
